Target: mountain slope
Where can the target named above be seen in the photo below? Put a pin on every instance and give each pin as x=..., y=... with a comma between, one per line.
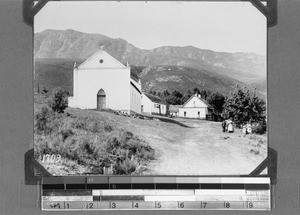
x=160, y=78
x=51, y=73
x=70, y=44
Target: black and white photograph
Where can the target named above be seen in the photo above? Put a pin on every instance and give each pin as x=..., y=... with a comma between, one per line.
x=150, y=88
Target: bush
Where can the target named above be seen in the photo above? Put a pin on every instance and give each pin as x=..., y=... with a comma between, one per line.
x=44, y=121
x=59, y=100
x=244, y=106
x=259, y=127
x=80, y=123
x=128, y=166
x=65, y=133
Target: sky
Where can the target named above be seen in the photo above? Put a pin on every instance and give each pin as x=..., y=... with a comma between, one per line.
x=218, y=26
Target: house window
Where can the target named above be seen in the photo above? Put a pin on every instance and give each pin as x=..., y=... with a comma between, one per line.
x=101, y=60
x=198, y=113
x=184, y=113
x=194, y=103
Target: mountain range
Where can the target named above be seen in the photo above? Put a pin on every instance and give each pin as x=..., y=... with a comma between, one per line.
x=159, y=68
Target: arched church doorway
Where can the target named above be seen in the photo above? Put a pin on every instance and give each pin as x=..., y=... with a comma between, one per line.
x=101, y=100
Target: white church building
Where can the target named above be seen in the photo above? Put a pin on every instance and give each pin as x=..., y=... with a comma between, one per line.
x=102, y=82
x=195, y=107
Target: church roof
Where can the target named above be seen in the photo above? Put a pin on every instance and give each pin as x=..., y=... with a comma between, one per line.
x=101, y=59
x=101, y=54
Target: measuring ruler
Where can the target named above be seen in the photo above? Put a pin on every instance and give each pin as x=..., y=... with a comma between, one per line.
x=155, y=193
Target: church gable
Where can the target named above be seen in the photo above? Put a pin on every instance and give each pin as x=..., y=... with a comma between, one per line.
x=101, y=59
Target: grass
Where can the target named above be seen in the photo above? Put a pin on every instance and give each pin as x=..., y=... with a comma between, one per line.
x=88, y=144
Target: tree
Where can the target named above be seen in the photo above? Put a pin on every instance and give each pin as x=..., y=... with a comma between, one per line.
x=196, y=90
x=174, y=98
x=153, y=92
x=204, y=94
x=59, y=100
x=217, y=100
x=166, y=94
x=186, y=96
x=244, y=106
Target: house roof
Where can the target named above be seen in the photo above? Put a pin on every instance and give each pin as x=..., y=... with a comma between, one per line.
x=195, y=95
x=154, y=98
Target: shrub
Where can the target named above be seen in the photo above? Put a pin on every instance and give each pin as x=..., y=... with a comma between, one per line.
x=108, y=127
x=244, y=106
x=65, y=133
x=128, y=166
x=59, y=100
x=43, y=119
x=259, y=127
x=95, y=127
x=80, y=123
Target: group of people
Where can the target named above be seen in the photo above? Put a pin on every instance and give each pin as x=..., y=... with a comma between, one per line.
x=227, y=126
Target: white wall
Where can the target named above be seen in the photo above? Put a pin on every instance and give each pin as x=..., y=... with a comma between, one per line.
x=115, y=83
x=163, y=109
x=146, y=103
x=193, y=112
x=155, y=109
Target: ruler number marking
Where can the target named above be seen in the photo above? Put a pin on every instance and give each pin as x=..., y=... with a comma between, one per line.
x=90, y=205
x=113, y=205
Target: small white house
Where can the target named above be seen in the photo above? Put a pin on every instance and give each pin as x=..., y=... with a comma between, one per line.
x=152, y=104
x=195, y=107
x=102, y=82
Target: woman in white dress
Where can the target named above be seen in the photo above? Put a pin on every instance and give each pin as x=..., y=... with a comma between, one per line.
x=229, y=126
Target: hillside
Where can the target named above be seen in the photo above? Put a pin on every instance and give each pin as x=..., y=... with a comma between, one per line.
x=160, y=78
x=70, y=44
x=51, y=73
x=92, y=142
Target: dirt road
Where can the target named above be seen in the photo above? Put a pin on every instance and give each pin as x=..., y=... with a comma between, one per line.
x=204, y=149
x=198, y=148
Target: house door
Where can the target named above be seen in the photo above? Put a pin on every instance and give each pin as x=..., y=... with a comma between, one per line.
x=101, y=100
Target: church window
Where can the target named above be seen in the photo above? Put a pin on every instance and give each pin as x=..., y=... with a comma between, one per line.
x=101, y=60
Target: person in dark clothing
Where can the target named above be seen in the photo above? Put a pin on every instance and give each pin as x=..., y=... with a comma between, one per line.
x=224, y=126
